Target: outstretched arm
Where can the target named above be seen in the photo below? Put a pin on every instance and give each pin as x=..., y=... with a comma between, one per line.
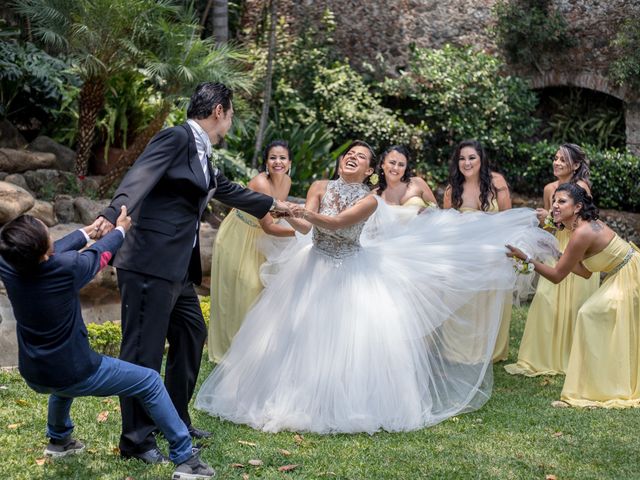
x=568, y=262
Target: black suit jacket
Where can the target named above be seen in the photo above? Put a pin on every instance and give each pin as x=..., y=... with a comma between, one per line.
x=53, y=347
x=165, y=193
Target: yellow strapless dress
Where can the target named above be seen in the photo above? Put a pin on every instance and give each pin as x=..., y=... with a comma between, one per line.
x=604, y=369
x=501, y=350
x=548, y=333
x=235, y=281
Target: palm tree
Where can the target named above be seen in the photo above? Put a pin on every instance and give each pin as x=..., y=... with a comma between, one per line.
x=176, y=64
x=101, y=37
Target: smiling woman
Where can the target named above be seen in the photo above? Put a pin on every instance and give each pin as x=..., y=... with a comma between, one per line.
x=235, y=281
x=474, y=187
x=397, y=185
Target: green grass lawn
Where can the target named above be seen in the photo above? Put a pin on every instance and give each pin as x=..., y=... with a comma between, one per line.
x=515, y=435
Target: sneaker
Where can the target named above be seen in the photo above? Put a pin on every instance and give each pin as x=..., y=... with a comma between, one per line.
x=62, y=448
x=193, y=469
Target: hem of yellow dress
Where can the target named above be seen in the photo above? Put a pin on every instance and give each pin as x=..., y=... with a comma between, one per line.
x=613, y=403
x=527, y=370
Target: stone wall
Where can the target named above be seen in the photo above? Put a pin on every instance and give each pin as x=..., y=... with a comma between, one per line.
x=380, y=32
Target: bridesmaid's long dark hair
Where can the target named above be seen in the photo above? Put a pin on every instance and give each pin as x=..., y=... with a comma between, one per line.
x=574, y=155
x=456, y=179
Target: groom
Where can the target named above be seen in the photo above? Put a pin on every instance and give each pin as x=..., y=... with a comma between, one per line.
x=167, y=190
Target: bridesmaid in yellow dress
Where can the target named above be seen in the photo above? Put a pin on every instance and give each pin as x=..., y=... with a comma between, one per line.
x=474, y=187
x=397, y=186
x=603, y=368
x=548, y=333
x=235, y=281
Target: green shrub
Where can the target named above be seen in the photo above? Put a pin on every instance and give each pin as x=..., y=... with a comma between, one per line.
x=105, y=337
x=526, y=30
x=625, y=69
x=614, y=173
x=205, y=306
x=460, y=94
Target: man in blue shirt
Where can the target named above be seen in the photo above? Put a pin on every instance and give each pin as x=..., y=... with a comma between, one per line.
x=42, y=281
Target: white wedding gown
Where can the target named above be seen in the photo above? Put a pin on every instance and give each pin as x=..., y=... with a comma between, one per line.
x=388, y=328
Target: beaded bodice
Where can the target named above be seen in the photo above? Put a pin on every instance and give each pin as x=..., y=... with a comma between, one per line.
x=344, y=242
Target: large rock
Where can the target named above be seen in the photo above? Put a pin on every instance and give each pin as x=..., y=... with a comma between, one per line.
x=63, y=206
x=10, y=136
x=87, y=210
x=44, y=211
x=8, y=338
x=65, y=157
x=18, y=161
x=14, y=201
x=17, y=179
x=44, y=182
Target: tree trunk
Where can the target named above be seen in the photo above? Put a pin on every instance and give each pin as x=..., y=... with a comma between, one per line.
x=220, y=21
x=264, y=116
x=134, y=151
x=90, y=103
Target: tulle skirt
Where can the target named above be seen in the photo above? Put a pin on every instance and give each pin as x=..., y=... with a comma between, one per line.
x=398, y=336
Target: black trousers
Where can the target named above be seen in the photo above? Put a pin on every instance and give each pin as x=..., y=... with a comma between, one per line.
x=155, y=310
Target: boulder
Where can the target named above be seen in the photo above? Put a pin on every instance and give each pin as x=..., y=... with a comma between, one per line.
x=43, y=182
x=65, y=157
x=63, y=207
x=10, y=136
x=90, y=184
x=207, y=237
x=17, y=179
x=18, y=161
x=44, y=211
x=87, y=210
x=14, y=201
x=8, y=338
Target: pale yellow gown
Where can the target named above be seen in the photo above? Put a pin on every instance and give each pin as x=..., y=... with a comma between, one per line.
x=501, y=350
x=235, y=281
x=604, y=369
x=548, y=333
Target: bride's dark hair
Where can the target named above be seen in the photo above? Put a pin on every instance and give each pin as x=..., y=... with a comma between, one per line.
x=408, y=173
x=372, y=159
x=578, y=194
x=456, y=179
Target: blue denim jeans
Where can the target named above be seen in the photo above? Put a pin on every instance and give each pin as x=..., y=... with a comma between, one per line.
x=117, y=377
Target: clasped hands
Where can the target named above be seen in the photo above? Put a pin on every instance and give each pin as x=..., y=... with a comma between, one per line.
x=289, y=209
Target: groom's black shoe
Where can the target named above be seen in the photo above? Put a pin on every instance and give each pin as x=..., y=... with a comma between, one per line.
x=197, y=433
x=152, y=457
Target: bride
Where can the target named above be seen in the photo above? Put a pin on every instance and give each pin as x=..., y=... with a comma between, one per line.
x=370, y=325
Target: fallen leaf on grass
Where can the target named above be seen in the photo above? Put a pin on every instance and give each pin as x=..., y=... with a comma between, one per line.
x=237, y=465
x=129, y=478
x=102, y=416
x=115, y=450
x=245, y=476
x=284, y=452
x=40, y=461
x=22, y=402
x=256, y=462
x=13, y=426
x=287, y=468
x=92, y=450
x=550, y=477
x=4, y=387
x=108, y=401
x=545, y=382
x=558, y=434
x=248, y=444
x=298, y=438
